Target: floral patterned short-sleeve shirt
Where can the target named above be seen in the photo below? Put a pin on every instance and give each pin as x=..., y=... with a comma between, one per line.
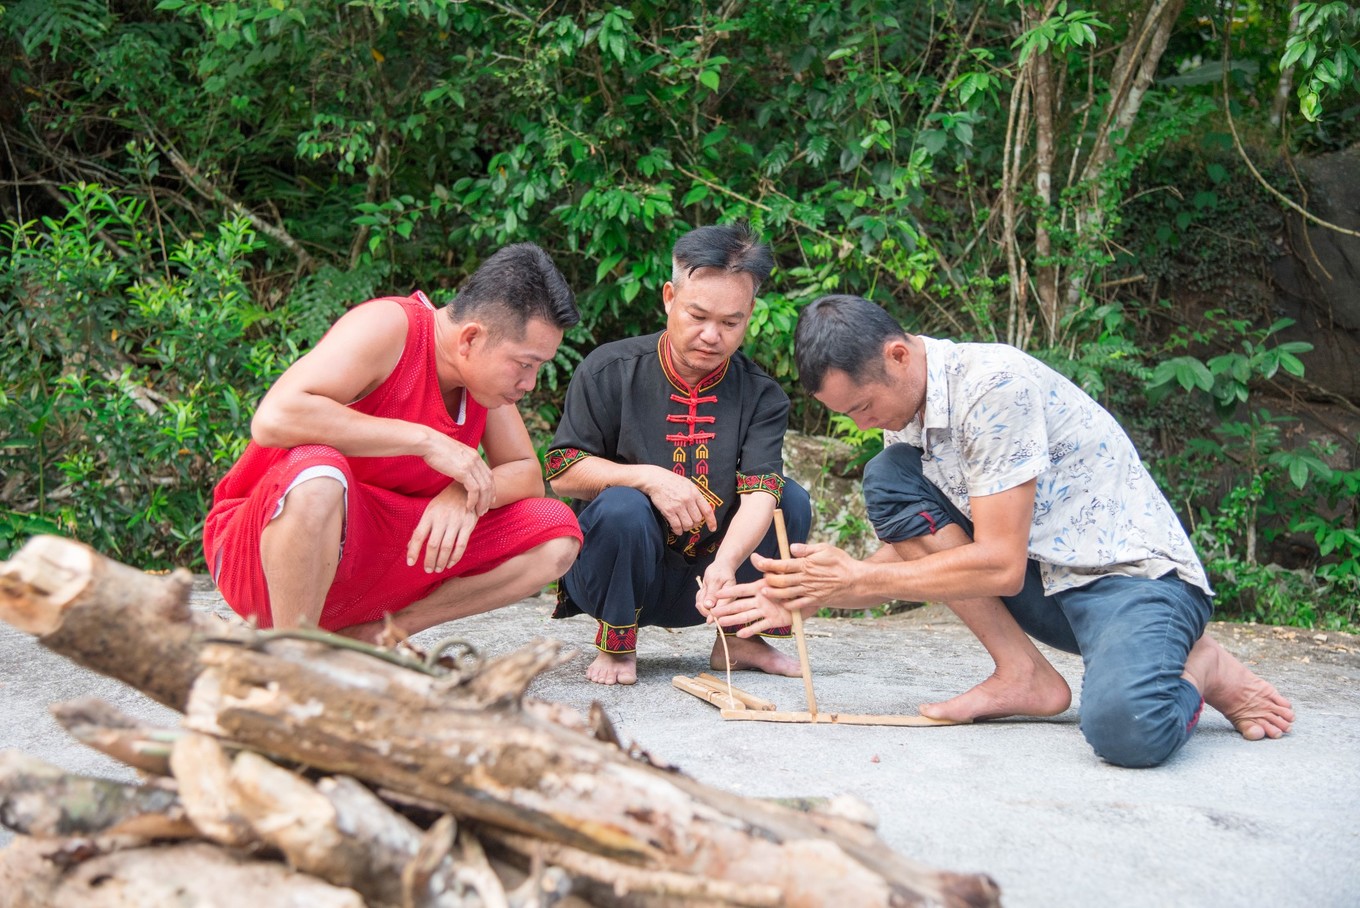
x=995, y=418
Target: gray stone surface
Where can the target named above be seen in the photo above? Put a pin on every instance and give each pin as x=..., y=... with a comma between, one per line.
x=1226, y=822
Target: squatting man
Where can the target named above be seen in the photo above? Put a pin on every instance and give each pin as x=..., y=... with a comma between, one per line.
x=1006, y=492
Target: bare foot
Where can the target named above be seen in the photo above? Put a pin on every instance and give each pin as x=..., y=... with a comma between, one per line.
x=1253, y=705
x=612, y=668
x=754, y=654
x=1036, y=690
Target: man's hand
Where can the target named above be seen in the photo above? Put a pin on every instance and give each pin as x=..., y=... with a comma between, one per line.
x=739, y=604
x=462, y=464
x=680, y=502
x=716, y=578
x=443, y=531
x=816, y=575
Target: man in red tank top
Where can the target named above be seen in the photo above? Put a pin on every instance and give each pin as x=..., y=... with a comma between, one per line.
x=362, y=494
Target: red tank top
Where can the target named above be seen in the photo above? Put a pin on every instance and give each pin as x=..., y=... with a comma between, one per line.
x=411, y=393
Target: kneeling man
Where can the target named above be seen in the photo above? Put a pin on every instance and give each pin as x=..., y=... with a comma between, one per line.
x=670, y=446
x=362, y=495
x=1009, y=494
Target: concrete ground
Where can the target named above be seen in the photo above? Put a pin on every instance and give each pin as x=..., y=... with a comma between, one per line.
x=1226, y=822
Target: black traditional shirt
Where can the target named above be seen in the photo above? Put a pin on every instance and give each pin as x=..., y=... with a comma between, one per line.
x=627, y=404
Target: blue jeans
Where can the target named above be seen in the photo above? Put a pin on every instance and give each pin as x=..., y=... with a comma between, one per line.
x=1133, y=633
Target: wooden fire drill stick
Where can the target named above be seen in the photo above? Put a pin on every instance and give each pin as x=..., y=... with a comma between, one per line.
x=782, y=535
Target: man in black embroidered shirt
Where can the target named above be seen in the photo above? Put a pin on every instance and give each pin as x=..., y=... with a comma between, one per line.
x=670, y=447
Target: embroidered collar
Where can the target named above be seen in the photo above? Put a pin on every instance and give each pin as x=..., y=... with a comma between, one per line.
x=663, y=350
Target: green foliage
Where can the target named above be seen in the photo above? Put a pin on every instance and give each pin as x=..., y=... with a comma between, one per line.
x=1326, y=50
x=135, y=369
x=1227, y=377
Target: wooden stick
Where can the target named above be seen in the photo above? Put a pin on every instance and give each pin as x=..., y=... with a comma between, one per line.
x=782, y=535
x=834, y=718
x=707, y=694
x=727, y=657
x=751, y=700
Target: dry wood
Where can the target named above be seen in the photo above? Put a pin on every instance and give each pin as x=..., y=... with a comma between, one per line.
x=782, y=535
x=102, y=726
x=715, y=695
x=38, y=799
x=750, y=700
x=465, y=746
x=343, y=712
x=625, y=883
x=834, y=718
x=106, y=616
x=38, y=873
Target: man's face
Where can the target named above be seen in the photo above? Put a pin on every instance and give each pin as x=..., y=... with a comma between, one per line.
x=873, y=403
x=500, y=371
x=706, y=317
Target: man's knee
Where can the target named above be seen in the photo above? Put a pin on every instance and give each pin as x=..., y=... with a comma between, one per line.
x=797, y=507
x=313, y=504
x=1135, y=731
x=621, y=518
x=556, y=556
x=900, y=502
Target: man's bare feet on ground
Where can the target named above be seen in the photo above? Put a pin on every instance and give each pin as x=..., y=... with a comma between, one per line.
x=1037, y=691
x=1253, y=705
x=613, y=668
x=753, y=654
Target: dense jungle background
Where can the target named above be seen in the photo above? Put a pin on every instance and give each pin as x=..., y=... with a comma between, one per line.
x=1158, y=197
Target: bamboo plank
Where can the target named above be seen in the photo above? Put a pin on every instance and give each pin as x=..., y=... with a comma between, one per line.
x=703, y=692
x=835, y=718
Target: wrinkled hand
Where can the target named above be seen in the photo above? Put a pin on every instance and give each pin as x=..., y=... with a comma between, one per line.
x=443, y=530
x=680, y=502
x=463, y=464
x=745, y=606
x=816, y=575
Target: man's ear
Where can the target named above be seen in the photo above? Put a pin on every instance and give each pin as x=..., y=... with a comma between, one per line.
x=896, y=353
x=468, y=333
x=667, y=296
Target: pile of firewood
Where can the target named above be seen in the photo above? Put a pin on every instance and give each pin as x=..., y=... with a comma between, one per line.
x=312, y=771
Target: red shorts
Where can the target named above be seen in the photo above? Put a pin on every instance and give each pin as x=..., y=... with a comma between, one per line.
x=372, y=578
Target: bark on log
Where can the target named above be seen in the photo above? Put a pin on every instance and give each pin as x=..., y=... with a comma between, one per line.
x=38, y=799
x=117, y=620
x=109, y=730
x=35, y=873
x=336, y=830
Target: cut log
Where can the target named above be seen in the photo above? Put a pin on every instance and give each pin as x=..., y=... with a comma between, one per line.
x=108, y=617
x=107, y=729
x=35, y=873
x=38, y=799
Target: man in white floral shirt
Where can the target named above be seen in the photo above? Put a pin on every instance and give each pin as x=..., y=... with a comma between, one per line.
x=1008, y=493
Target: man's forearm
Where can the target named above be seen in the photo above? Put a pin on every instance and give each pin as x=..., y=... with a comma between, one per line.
x=587, y=478
x=516, y=481
x=749, y=525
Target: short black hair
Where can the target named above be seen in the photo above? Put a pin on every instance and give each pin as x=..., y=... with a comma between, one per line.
x=518, y=283
x=733, y=248
x=842, y=332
